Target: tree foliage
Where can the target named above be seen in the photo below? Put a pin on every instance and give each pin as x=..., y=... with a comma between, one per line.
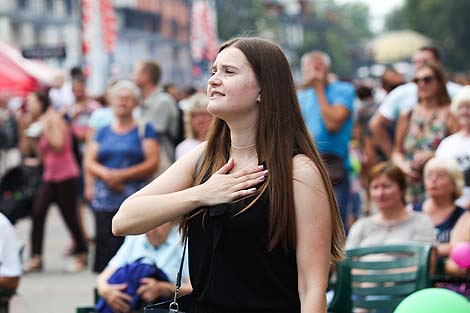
x=239, y=17
x=338, y=30
x=445, y=22
x=395, y=20
x=330, y=27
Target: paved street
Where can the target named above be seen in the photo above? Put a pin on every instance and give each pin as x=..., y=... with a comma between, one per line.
x=52, y=290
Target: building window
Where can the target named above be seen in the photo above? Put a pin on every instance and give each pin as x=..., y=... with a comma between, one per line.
x=36, y=6
x=140, y=20
x=49, y=6
x=58, y=8
x=22, y=4
x=68, y=7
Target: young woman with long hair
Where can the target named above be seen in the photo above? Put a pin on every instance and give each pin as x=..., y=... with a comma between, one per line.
x=255, y=199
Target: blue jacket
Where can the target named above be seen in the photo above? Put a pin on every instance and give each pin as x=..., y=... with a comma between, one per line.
x=131, y=274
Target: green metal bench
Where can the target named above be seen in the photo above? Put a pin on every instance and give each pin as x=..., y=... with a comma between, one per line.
x=380, y=284
x=88, y=308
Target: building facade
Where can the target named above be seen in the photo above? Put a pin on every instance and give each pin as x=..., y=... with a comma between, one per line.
x=46, y=23
x=156, y=30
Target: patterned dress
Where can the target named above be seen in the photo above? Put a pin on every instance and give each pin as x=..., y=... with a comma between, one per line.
x=424, y=134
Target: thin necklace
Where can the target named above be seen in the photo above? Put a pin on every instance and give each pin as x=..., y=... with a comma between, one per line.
x=242, y=148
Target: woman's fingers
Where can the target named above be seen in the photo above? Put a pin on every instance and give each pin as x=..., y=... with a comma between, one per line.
x=254, y=170
x=244, y=193
x=226, y=168
x=250, y=180
x=223, y=187
x=246, y=185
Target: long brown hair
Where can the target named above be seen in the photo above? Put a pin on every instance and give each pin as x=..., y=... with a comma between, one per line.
x=281, y=133
x=441, y=94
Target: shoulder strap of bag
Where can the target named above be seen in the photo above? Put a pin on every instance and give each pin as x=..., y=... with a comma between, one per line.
x=174, y=305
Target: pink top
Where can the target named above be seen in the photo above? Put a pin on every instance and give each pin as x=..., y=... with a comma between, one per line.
x=58, y=165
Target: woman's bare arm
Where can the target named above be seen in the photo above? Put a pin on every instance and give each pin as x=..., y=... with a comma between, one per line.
x=313, y=221
x=172, y=194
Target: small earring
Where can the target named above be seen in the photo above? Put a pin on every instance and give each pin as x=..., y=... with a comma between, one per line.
x=258, y=100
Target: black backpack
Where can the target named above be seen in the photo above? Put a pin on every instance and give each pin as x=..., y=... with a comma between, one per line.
x=18, y=189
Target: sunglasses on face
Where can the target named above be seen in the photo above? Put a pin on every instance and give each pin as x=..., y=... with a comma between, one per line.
x=425, y=79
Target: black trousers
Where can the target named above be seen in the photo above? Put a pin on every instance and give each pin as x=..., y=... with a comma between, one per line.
x=64, y=194
x=106, y=244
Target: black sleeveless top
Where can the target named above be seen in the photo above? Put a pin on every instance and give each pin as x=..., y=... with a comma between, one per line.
x=445, y=228
x=230, y=267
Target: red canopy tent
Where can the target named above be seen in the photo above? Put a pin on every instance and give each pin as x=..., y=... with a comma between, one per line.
x=13, y=79
x=19, y=76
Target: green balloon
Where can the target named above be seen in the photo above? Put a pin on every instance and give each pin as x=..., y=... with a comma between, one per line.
x=434, y=300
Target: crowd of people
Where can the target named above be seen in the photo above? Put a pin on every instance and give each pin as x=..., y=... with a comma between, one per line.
x=378, y=161
x=92, y=153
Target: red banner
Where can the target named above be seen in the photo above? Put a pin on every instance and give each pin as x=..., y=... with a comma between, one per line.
x=204, y=43
x=98, y=14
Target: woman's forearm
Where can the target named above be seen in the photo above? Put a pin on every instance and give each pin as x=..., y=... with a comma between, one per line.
x=444, y=249
x=96, y=169
x=102, y=280
x=313, y=302
x=399, y=159
x=139, y=171
x=139, y=214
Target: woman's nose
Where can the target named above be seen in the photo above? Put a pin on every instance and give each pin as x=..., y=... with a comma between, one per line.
x=214, y=80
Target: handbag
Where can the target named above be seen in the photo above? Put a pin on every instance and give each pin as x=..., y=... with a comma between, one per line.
x=183, y=304
x=335, y=167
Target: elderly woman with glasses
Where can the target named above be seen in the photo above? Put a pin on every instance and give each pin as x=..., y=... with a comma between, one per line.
x=419, y=131
x=121, y=158
x=443, y=180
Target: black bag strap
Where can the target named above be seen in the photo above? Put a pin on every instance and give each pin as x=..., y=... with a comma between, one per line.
x=174, y=305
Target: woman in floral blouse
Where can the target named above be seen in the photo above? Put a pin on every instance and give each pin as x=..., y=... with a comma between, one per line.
x=420, y=130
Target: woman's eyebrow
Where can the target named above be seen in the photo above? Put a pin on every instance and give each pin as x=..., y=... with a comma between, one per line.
x=224, y=66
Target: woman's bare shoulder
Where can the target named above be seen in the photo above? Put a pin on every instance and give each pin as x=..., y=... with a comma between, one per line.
x=302, y=165
x=306, y=171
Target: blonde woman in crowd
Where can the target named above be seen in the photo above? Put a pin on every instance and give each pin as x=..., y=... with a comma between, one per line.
x=196, y=123
x=443, y=181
